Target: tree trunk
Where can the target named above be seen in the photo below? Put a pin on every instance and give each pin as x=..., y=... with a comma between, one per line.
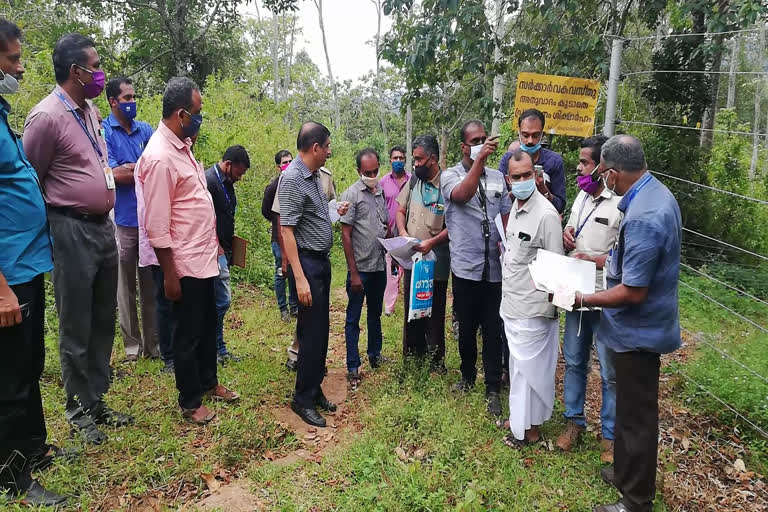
x=337, y=112
x=379, y=89
x=735, y=47
x=443, y=148
x=708, y=124
x=290, y=57
x=498, y=78
x=275, y=63
x=408, y=137
x=756, y=130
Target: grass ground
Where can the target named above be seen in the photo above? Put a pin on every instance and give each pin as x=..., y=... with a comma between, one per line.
x=404, y=442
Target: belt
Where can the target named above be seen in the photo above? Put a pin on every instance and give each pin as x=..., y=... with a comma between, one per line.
x=314, y=254
x=96, y=218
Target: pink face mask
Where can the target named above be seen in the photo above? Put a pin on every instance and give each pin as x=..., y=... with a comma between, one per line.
x=284, y=166
x=587, y=185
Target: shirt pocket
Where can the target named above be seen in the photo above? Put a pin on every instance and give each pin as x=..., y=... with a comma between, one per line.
x=524, y=252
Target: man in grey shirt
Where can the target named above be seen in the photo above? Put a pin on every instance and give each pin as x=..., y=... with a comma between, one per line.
x=475, y=195
x=307, y=238
x=365, y=222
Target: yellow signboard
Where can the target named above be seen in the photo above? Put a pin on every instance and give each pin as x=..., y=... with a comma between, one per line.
x=568, y=103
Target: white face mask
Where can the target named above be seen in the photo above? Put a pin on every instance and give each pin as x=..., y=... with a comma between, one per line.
x=8, y=84
x=474, y=151
x=370, y=182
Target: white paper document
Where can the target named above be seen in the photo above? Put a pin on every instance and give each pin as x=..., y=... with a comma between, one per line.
x=562, y=276
x=332, y=211
x=503, y=246
x=401, y=249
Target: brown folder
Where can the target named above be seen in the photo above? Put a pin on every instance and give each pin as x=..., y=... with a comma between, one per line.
x=239, y=251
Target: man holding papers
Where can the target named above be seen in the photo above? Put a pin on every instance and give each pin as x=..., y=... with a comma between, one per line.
x=530, y=320
x=589, y=235
x=640, y=318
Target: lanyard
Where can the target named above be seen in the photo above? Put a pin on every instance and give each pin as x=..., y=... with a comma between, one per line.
x=82, y=125
x=600, y=200
x=226, y=194
x=636, y=190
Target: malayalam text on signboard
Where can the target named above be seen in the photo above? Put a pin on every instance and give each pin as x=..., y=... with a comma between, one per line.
x=568, y=103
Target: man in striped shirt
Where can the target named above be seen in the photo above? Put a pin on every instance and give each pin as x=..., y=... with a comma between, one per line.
x=307, y=237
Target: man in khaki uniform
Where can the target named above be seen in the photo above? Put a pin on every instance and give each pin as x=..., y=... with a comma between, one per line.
x=421, y=215
x=329, y=189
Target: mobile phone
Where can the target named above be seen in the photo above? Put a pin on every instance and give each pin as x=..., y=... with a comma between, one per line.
x=539, y=170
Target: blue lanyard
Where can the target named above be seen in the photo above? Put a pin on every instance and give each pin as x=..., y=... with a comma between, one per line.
x=226, y=195
x=636, y=190
x=588, y=215
x=82, y=125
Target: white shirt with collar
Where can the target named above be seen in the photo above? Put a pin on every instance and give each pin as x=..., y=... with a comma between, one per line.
x=596, y=220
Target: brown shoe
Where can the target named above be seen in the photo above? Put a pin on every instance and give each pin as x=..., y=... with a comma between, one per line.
x=570, y=436
x=222, y=394
x=200, y=416
x=606, y=451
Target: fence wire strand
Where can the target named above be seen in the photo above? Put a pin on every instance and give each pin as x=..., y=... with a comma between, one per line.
x=725, y=354
x=730, y=310
x=714, y=189
x=764, y=258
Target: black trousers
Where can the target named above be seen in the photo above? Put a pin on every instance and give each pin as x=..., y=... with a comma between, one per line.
x=426, y=335
x=477, y=304
x=312, y=328
x=194, y=341
x=22, y=424
x=637, y=427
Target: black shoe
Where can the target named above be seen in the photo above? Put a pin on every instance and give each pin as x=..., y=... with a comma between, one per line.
x=325, y=404
x=494, y=403
x=613, y=507
x=103, y=415
x=377, y=361
x=607, y=475
x=292, y=365
x=36, y=496
x=48, y=455
x=169, y=368
x=89, y=431
x=463, y=385
x=309, y=415
x=354, y=378
x=229, y=357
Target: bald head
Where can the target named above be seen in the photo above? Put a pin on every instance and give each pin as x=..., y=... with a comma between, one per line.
x=312, y=133
x=624, y=153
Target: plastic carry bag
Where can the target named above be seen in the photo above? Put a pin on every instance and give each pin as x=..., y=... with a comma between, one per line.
x=422, y=287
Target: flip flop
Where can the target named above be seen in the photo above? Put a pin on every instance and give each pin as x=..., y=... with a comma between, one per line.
x=222, y=394
x=199, y=416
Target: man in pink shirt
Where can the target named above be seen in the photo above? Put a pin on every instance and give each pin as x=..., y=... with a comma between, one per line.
x=181, y=227
x=392, y=184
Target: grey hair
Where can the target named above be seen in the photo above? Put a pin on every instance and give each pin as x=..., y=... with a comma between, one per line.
x=624, y=153
x=428, y=143
x=178, y=94
x=518, y=155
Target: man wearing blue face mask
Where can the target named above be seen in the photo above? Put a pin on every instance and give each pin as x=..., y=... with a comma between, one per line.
x=530, y=127
x=392, y=184
x=126, y=139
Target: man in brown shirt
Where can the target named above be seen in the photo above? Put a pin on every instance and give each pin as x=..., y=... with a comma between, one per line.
x=64, y=143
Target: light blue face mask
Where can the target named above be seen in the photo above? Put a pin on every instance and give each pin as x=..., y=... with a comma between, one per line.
x=530, y=149
x=523, y=189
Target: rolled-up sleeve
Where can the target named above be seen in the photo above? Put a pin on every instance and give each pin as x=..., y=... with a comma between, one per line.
x=349, y=217
x=111, y=146
x=289, y=196
x=448, y=182
x=39, y=142
x=642, y=247
x=159, y=183
x=552, y=234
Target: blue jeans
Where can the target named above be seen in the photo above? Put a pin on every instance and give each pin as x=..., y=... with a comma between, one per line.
x=280, y=280
x=576, y=349
x=374, y=284
x=223, y=294
x=165, y=323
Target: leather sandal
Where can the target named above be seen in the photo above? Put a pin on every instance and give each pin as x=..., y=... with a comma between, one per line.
x=222, y=394
x=200, y=416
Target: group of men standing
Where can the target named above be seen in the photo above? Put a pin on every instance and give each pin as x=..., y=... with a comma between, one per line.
x=173, y=229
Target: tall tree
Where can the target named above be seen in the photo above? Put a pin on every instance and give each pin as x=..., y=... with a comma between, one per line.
x=378, y=5
x=733, y=64
x=756, y=123
x=337, y=112
x=498, y=76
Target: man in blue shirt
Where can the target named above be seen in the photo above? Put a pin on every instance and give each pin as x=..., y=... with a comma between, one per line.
x=126, y=139
x=530, y=126
x=25, y=256
x=640, y=318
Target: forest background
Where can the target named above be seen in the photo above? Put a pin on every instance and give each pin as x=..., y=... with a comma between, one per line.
x=698, y=103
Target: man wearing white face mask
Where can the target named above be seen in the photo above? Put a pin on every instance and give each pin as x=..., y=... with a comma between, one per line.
x=365, y=221
x=530, y=320
x=475, y=195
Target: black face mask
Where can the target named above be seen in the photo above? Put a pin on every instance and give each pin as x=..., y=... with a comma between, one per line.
x=422, y=172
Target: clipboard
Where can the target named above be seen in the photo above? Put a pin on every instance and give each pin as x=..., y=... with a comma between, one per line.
x=239, y=251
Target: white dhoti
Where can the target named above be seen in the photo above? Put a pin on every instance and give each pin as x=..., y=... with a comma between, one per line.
x=533, y=350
